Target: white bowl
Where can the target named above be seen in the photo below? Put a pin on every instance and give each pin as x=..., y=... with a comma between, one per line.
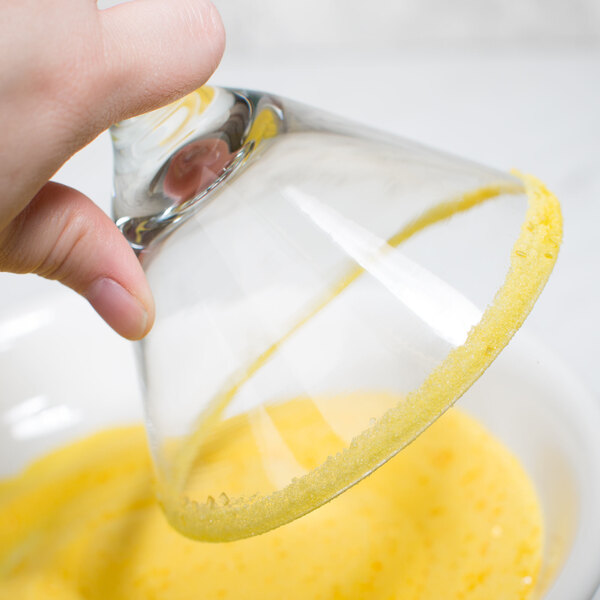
x=65, y=374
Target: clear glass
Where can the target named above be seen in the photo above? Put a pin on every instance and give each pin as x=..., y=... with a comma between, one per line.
x=298, y=258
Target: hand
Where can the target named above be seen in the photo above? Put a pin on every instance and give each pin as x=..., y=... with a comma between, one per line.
x=67, y=72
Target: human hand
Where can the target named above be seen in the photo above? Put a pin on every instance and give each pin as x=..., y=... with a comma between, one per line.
x=67, y=72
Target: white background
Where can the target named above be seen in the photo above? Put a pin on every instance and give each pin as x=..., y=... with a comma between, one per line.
x=508, y=83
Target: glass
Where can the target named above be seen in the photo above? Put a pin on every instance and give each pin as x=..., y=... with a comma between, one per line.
x=301, y=261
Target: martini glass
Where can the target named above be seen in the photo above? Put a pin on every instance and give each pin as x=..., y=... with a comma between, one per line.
x=304, y=264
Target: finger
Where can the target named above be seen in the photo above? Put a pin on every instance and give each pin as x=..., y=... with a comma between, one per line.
x=63, y=235
x=157, y=51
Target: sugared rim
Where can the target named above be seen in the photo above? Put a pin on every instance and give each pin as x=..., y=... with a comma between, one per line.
x=532, y=259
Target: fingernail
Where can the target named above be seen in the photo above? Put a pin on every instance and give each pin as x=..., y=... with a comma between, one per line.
x=120, y=309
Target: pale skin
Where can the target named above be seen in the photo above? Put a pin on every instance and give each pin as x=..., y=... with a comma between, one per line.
x=67, y=72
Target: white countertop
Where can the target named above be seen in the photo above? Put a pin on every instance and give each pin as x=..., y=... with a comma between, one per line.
x=535, y=110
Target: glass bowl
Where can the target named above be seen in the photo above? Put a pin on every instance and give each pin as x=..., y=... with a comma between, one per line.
x=65, y=375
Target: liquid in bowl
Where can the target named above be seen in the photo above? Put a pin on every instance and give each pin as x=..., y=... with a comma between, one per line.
x=540, y=413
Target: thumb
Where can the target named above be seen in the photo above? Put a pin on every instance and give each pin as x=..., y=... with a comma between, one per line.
x=63, y=235
x=157, y=51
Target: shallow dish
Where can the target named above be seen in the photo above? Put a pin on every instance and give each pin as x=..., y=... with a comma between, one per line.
x=64, y=375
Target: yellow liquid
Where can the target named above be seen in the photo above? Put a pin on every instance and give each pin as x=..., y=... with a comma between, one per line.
x=452, y=516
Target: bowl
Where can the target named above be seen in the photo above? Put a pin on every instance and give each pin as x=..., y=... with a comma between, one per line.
x=65, y=374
